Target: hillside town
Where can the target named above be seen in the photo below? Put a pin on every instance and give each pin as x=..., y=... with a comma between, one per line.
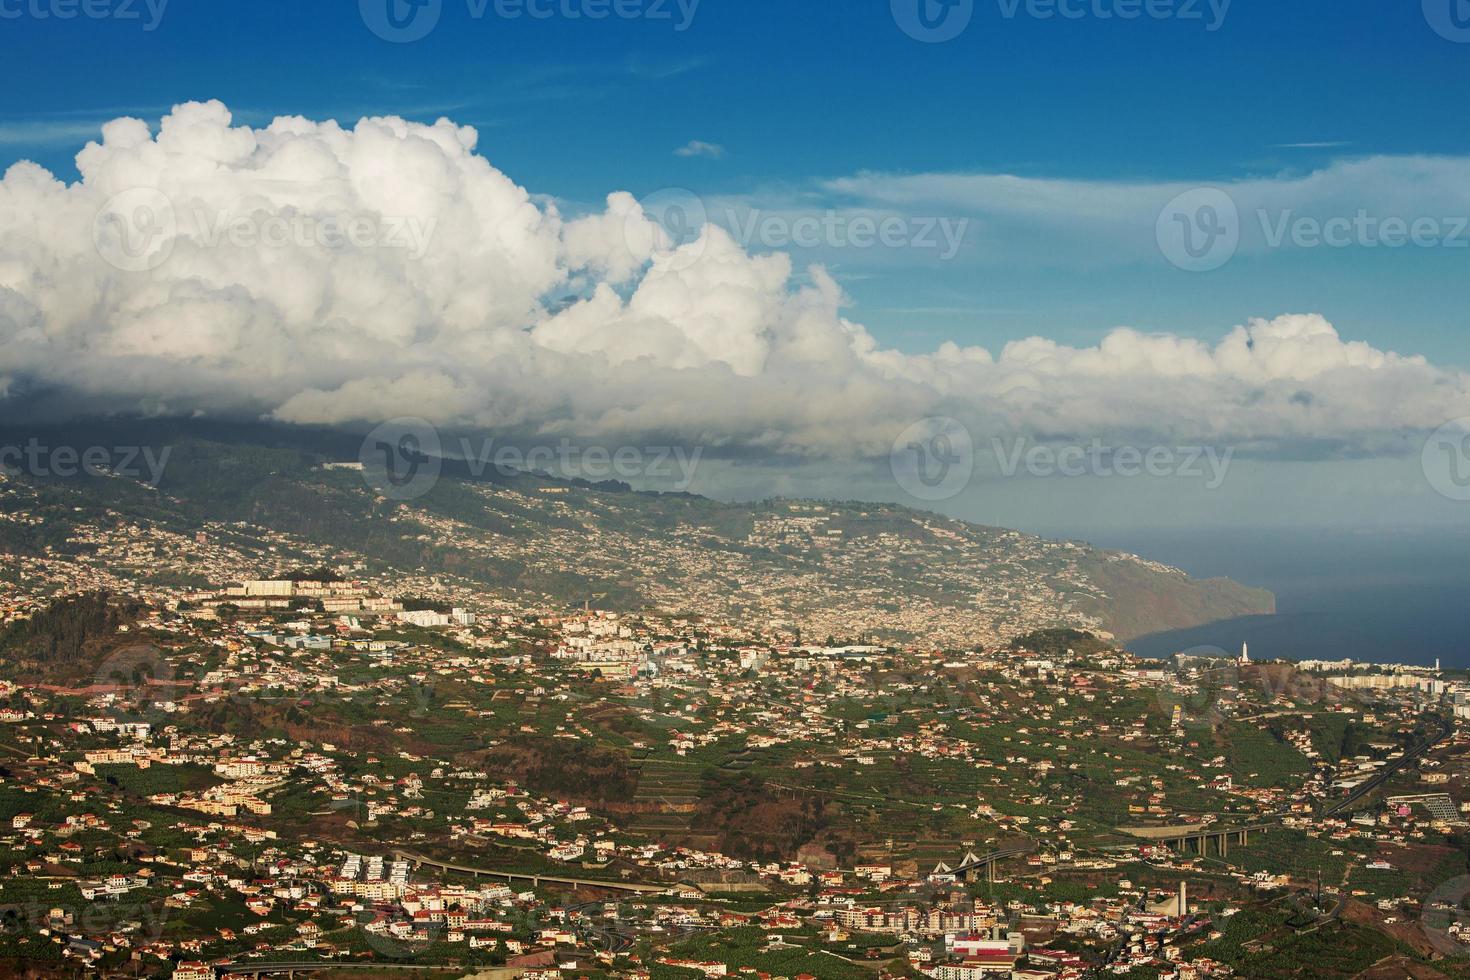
x=318, y=767
x=794, y=569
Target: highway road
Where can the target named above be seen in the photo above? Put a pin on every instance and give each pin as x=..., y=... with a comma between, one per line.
x=641, y=887
x=1410, y=756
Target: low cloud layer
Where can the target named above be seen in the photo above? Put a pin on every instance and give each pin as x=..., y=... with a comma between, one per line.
x=314, y=274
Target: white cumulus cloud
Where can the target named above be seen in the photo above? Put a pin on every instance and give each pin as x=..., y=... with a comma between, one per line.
x=312, y=273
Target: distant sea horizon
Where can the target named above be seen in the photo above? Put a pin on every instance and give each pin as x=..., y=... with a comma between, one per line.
x=1370, y=596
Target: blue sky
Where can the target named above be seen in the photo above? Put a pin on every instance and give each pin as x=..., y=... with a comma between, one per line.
x=1296, y=166
x=798, y=94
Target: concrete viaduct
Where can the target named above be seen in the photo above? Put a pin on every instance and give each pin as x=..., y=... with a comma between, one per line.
x=1193, y=838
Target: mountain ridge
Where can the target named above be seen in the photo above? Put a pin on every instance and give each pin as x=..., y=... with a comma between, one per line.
x=816, y=569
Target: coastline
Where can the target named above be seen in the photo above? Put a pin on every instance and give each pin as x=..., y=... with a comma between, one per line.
x=1370, y=596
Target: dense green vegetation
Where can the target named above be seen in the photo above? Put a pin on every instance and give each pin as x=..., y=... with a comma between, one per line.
x=68, y=629
x=1059, y=643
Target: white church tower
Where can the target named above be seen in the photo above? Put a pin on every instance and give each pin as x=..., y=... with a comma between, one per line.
x=1245, y=654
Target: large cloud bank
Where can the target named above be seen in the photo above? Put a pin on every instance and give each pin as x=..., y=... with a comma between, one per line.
x=441, y=289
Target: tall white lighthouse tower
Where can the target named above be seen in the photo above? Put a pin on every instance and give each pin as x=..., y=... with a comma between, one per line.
x=1245, y=654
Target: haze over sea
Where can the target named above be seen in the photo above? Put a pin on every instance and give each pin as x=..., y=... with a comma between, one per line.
x=1372, y=595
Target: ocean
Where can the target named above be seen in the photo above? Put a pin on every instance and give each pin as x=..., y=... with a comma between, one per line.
x=1375, y=596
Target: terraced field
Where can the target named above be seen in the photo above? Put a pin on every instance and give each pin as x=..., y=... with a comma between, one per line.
x=670, y=785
